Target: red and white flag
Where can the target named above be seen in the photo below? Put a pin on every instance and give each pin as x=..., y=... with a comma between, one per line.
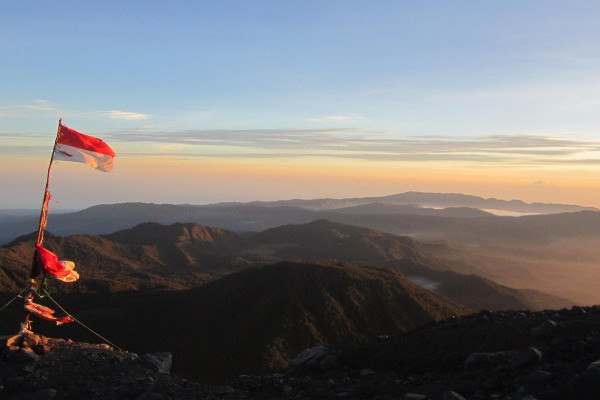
x=74, y=146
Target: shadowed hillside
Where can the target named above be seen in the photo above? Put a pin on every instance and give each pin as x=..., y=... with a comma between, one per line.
x=477, y=292
x=184, y=246
x=257, y=320
x=324, y=239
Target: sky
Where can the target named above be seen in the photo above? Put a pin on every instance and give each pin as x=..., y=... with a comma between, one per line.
x=218, y=101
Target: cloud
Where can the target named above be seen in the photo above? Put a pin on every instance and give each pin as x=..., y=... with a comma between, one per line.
x=114, y=114
x=126, y=115
x=45, y=106
x=42, y=105
x=351, y=117
x=374, y=145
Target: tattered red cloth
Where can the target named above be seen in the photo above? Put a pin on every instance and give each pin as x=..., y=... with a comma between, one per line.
x=59, y=269
x=44, y=312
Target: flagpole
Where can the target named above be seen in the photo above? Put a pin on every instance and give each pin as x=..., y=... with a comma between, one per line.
x=44, y=212
x=26, y=325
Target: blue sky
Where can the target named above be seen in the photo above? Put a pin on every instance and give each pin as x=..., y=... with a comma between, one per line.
x=510, y=87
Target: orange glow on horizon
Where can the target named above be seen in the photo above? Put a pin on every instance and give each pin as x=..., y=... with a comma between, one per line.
x=205, y=180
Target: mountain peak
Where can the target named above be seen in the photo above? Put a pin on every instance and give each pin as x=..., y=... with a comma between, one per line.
x=157, y=233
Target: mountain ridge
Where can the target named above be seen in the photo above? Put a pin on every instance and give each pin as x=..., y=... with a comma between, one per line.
x=434, y=200
x=260, y=215
x=156, y=256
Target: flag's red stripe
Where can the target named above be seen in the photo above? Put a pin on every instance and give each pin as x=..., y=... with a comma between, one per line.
x=73, y=138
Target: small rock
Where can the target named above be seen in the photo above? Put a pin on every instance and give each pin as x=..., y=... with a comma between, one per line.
x=527, y=356
x=161, y=362
x=150, y=396
x=450, y=395
x=44, y=394
x=578, y=310
x=587, y=385
x=328, y=362
x=10, y=351
x=544, y=329
x=224, y=390
x=116, y=360
x=29, y=368
x=15, y=340
x=31, y=339
x=41, y=349
x=26, y=355
x=477, y=359
x=415, y=396
x=309, y=358
x=287, y=390
x=367, y=372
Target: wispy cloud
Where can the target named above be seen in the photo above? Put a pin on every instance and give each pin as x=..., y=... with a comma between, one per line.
x=350, y=117
x=126, y=115
x=46, y=106
x=42, y=105
x=113, y=114
x=373, y=145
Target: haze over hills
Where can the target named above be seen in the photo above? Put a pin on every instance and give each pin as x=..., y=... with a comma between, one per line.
x=257, y=216
x=249, y=309
x=434, y=200
x=554, y=253
x=179, y=256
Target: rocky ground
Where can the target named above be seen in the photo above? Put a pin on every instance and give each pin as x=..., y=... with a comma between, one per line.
x=506, y=355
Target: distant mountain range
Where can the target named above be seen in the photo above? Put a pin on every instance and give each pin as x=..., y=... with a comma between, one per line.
x=433, y=200
x=429, y=216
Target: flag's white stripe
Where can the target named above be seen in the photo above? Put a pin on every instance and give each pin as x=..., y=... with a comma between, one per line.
x=96, y=160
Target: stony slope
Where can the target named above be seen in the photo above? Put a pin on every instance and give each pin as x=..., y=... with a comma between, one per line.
x=549, y=355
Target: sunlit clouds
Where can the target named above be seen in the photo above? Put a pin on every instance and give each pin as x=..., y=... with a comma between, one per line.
x=231, y=101
x=126, y=115
x=368, y=145
x=343, y=118
x=42, y=107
